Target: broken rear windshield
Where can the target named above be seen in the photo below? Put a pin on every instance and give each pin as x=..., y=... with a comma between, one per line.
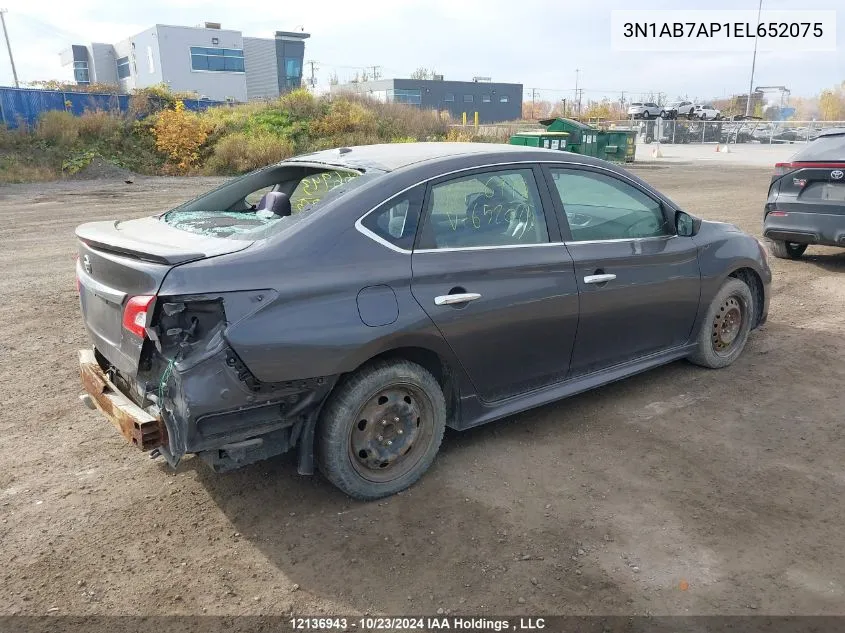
x=264, y=202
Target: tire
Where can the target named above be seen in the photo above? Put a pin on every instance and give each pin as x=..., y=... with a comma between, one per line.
x=690, y=116
x=787, y=250
x=662, y=114
x=726, y=326
x=368, y=420
x=649, y=139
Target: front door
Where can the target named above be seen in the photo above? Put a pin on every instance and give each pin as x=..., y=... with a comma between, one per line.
x=639, y=281
x=491, y=272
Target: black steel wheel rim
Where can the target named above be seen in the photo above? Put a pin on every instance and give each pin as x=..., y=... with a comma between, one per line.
x=728, y=324
x=391, y=432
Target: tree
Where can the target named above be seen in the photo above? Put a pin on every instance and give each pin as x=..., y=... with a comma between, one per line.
x=334, y=80
x=832, y=104
x=534, y=110
x=604, y=109
x=423, y=73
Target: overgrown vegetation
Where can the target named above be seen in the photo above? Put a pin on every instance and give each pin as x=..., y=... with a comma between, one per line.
x=160, y=136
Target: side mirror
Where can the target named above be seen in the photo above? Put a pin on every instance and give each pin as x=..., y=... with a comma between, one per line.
x=685, y=224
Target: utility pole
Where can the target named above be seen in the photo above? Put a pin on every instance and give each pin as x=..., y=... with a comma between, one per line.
x=577, y=97
x=9, y=46
x=375, y=71
x=753, y=63
x=313, y=80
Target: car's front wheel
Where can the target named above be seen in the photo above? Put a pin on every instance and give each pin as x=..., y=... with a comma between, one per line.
x=726, y=326
x=787, y=250
x=380, y=429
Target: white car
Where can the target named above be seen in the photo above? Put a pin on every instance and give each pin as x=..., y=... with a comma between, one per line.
x=645, y=110
x=680, y=108
x=705, y=112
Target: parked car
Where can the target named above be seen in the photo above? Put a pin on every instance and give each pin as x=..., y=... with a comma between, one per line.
x=806, y=203
x=680, y=109
x=705, y=112
x=645, y=111
x=350, y=304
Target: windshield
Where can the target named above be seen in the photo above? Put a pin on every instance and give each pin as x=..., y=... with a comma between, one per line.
x=264, y=202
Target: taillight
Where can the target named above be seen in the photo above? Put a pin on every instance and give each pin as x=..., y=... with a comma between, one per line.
x=782, y=169
x=785, y=168
x=778, y=214
x=135, y=314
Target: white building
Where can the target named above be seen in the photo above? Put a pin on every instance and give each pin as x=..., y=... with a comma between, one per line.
x=214, y=63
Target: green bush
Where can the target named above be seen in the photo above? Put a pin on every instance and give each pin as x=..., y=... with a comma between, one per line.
x=238, y=138
x=57, y=127
x=239, y=152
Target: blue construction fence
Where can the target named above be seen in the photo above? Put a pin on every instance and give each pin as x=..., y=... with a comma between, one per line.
x=23, y=106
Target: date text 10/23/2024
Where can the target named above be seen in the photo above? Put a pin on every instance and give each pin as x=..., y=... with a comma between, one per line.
x=421, y=624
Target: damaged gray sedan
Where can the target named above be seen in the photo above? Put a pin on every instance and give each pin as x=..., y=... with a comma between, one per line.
x=350, y=304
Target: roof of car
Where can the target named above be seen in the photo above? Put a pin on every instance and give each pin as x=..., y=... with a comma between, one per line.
x=392, y=156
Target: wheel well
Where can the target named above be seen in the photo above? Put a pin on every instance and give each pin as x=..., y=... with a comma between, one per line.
x=439, y=368
x=751, y=279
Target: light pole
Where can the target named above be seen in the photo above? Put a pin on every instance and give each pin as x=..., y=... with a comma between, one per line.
x=753, y=63
x=9, y=46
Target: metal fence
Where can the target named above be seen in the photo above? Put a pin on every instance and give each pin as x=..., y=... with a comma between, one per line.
x=23, y=106
x=727, y=132
x=691, y=131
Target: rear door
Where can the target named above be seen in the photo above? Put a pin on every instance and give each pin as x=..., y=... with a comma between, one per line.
x=639, y=282
x=490, y=270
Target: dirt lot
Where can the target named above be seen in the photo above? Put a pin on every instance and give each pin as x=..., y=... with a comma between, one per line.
x=682, y=491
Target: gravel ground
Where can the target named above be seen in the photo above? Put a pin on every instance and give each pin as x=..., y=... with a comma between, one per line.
x=681, y=491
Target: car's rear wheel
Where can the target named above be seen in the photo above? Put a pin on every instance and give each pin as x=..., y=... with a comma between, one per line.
x=726, y=326
x=380, y=429
x=787, y=250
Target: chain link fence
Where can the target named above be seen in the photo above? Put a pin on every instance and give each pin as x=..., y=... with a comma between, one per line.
x=688, y=131
x=723, y=131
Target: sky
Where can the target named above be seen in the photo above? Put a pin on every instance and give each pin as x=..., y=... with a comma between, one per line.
x=540, y=44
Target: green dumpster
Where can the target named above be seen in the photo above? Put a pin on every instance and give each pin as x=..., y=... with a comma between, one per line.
x=617, y=145
x=583, y=138
x=541, y=138
x=564, y=134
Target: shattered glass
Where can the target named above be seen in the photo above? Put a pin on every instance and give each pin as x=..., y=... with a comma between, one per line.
x=231, y=224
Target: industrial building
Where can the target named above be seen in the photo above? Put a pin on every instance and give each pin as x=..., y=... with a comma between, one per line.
x=493, y=102
x=215, y=63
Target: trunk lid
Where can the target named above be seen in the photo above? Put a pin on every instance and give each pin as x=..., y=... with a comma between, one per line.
x=811, y=187
x=120, y=260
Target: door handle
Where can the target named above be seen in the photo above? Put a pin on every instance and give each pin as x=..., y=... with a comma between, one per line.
x=599, y=279
x=461, y=297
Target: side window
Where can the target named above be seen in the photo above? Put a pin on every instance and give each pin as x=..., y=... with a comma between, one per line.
x=495, y=208
x=396, y=220
x=600, y=207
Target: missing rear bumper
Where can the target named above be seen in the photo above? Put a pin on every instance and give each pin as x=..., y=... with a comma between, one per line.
x=137, y=426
